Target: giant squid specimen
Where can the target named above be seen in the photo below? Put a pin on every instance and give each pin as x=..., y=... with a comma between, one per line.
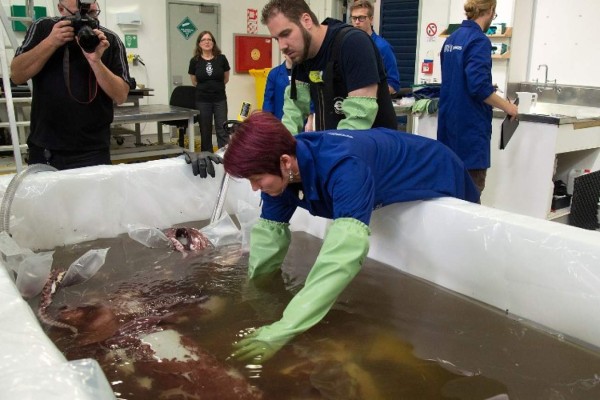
x=133, y=338
x=52, y=285
x=187, y=240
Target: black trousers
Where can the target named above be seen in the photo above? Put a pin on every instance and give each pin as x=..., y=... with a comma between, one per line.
x=67, y=159
x=208, y=112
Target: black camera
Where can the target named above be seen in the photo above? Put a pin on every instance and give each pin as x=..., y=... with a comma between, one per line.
x=84, y=25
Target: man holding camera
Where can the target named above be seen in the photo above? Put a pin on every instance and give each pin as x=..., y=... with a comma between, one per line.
x=79, y=70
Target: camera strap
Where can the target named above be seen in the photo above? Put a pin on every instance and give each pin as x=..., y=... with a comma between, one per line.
x=92, y=82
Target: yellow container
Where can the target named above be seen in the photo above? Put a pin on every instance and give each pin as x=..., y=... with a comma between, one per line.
x=260, y=80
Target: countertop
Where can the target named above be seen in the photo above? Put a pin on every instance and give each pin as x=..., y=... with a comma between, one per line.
x=558, y=114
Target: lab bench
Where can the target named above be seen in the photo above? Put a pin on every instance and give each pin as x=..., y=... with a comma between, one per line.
x=548, y=143
x=137, y=114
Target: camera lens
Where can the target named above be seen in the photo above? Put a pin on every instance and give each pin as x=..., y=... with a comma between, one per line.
x=87, y=39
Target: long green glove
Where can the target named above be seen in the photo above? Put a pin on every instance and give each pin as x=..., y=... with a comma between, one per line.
x=344, y=250
x=360, y=113
x=296, y=111
x=269, y=243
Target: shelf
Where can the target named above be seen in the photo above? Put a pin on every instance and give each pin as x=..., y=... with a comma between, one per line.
x=16, y=100
x=556, y=214
x=504, y=56
x=507, y=34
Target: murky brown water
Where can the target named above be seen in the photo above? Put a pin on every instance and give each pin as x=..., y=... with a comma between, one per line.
x=390, y=336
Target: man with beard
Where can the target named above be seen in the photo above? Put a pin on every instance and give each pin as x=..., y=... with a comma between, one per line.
x=467, y=93
x=336, y=66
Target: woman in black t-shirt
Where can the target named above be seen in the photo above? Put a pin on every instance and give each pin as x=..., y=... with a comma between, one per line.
x=209, y=72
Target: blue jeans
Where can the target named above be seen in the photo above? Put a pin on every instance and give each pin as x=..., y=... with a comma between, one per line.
x=208, y=111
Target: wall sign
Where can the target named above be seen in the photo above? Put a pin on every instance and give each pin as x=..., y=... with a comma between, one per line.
x=187, y=28
x=431, y=29
x=252, y=21
x=131, y=41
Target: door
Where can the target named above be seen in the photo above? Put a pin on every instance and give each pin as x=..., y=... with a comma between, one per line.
x=185, y=21
x=399, y=24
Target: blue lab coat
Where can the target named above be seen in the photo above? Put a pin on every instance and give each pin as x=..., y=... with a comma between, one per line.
x=349, y=173
x=277, y=80
x=389, y=61
x=464, y=120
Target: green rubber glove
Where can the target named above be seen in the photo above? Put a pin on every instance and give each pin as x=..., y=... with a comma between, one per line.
x=360, y=113
x=269, y=243
x=344, y=250
x=296, y=111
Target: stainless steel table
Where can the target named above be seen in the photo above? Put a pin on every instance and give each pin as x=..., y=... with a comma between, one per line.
x=156, y=113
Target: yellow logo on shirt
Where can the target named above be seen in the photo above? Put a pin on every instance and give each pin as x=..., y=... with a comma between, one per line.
x=316, y=76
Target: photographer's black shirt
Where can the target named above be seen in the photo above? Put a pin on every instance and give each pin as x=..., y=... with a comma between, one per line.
x=71, y=121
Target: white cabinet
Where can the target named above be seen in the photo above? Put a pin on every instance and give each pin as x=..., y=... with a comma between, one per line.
x=521, y=178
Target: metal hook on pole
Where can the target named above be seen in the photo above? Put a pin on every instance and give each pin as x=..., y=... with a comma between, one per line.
x=229, y=127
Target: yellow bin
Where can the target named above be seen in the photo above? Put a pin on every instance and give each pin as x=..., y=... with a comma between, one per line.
x=260, y=80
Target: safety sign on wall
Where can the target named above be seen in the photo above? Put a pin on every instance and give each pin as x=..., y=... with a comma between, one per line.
x=431, y=31
x=186, y=28
x=131, y=41
x=252, y=21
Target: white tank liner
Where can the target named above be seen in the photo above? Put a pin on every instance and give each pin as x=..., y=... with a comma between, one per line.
x=542, y=271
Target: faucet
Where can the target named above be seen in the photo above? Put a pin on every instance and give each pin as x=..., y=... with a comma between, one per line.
x=546, y=81
x=545, y=74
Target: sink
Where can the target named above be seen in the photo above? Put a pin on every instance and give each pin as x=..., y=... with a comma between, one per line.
x=565, y=111
x=555, y=115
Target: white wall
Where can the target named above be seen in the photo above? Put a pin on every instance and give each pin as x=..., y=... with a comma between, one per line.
x=553, y=32
x=565, y=38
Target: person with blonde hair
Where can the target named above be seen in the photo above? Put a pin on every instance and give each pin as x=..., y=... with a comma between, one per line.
x=467, y=94
x=361, y=16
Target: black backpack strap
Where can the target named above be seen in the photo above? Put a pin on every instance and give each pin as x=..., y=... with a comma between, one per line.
x=293, y=91
x=333, y=86
x=386, y=116
x=336, y=51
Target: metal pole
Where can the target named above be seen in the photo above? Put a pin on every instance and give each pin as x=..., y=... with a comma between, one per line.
x=10, y=107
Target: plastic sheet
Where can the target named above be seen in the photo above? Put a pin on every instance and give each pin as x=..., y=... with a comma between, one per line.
x=32, y=368
x=159, y=194
x=85, y=267
x=33, y=272
x=79, y=379
x=148, y=236
x=542, y=271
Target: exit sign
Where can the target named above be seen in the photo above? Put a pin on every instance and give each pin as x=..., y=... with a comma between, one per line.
x=131, y=42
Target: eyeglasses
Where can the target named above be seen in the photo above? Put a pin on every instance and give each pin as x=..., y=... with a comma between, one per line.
x=360, y=18
x=206, y=40
x=495, y=16
x=91, y=13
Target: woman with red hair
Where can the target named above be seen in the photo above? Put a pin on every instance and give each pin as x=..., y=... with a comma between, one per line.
x=338, y=174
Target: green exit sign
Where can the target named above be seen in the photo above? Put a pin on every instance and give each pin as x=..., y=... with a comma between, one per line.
x=131, y=42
